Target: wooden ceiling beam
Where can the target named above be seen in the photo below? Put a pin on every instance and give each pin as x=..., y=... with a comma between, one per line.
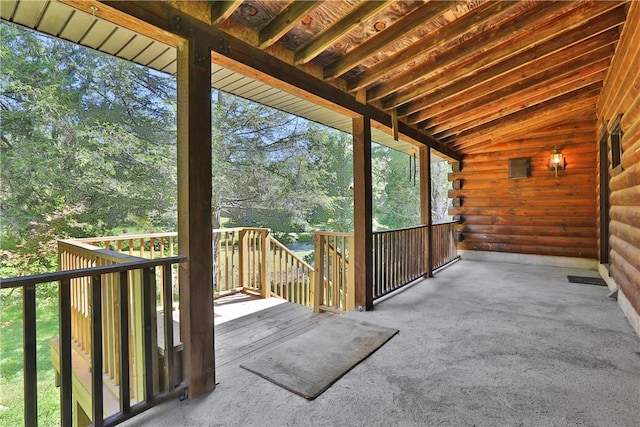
x=528, y=98
x=284, y=21
x=485, y=83
x=556, y=111
x=335, y=32
x=240, y=56
x=453, y=117
x=400, y=28
x=429, y=43
x=579, y=24
x=140, y=26
x=221, y=10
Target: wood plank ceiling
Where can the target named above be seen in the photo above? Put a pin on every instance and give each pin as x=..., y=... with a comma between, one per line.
x=470, y=73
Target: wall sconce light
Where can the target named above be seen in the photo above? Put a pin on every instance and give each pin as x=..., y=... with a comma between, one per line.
x=556, y=161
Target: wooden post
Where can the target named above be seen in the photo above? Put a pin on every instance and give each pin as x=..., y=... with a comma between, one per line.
x=318, y=272
x=425, y=207
x=362, y=213
x=351, y=291
x=265, y=283
x=243, y=258
x=194, y=215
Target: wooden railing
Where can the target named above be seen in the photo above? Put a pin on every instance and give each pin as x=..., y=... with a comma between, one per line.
x=99, y=287
x=74, y=255
x=399, y=257
x=291, y=277
x=444, y=244
x=146, y=246
x=334, y=275
x=253, y=258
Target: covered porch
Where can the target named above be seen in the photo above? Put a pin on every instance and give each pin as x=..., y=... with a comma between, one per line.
x=480, y=343
x=494, y=89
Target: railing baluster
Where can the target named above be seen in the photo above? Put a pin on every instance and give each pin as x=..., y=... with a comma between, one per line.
x=125, y=384
x=80, y=295
x=96, y=350
x=64, y=340
x=168, y=328
x=30, y=360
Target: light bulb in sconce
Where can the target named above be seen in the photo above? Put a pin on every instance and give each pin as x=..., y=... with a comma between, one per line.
x=556, y=161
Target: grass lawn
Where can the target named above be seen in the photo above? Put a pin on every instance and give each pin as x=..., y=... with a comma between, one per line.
x=11, y=371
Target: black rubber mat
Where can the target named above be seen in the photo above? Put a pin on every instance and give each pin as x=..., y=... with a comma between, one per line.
x=587, y=280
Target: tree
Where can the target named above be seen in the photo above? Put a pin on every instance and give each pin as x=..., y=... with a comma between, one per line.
x=396, y=192
x=267, y=171
x=334, y=152
x=440, y=187
x=87, y=144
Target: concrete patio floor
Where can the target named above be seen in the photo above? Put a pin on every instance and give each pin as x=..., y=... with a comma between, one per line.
x=481, y=343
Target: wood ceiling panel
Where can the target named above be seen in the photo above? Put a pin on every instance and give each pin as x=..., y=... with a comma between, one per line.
x=486, y=84
x=29, y=13
x=77, y=27
x=120, y=37
x=55, y=18
x=99, y=34
x=164, y=59
x=7, y=9
x=505, y=52
x=150, y=53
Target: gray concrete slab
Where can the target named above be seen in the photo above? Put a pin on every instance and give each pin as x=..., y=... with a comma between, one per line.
x=482, y=343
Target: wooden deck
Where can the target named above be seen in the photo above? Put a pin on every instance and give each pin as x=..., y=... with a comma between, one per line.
x=247, y=324
x=239, y=338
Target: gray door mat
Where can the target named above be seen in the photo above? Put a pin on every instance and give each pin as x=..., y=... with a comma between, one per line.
x=587, y=280
x=310, y=363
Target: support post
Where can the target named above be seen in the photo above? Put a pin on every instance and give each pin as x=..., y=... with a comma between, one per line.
x=425, y=207
x=265, y=282
x=243, y=259
x=194, y=215
x=318, y=272
x=351, y=292
x=362, y=212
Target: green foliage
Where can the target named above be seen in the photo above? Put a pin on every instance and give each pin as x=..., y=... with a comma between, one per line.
x=440, y=187
x=11, y=371
x=333, y=151
x=266, y=168
x=88, y=142
x=396, y=196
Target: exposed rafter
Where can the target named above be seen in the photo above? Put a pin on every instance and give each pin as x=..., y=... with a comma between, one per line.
x=284, y=22
x=427, y=45
x=335, y=32
x=221, y=10
x=557, y=34
x=407, y=24
x=486, y=83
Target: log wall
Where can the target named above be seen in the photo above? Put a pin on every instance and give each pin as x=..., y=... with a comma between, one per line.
x=542, y=214
x=621, y=96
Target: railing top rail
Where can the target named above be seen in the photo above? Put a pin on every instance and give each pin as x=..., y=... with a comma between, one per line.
x=14, y=282
x=106, y=254
x=415, y=227
x=122, y=237
x=244, y=228
x=334, y=233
